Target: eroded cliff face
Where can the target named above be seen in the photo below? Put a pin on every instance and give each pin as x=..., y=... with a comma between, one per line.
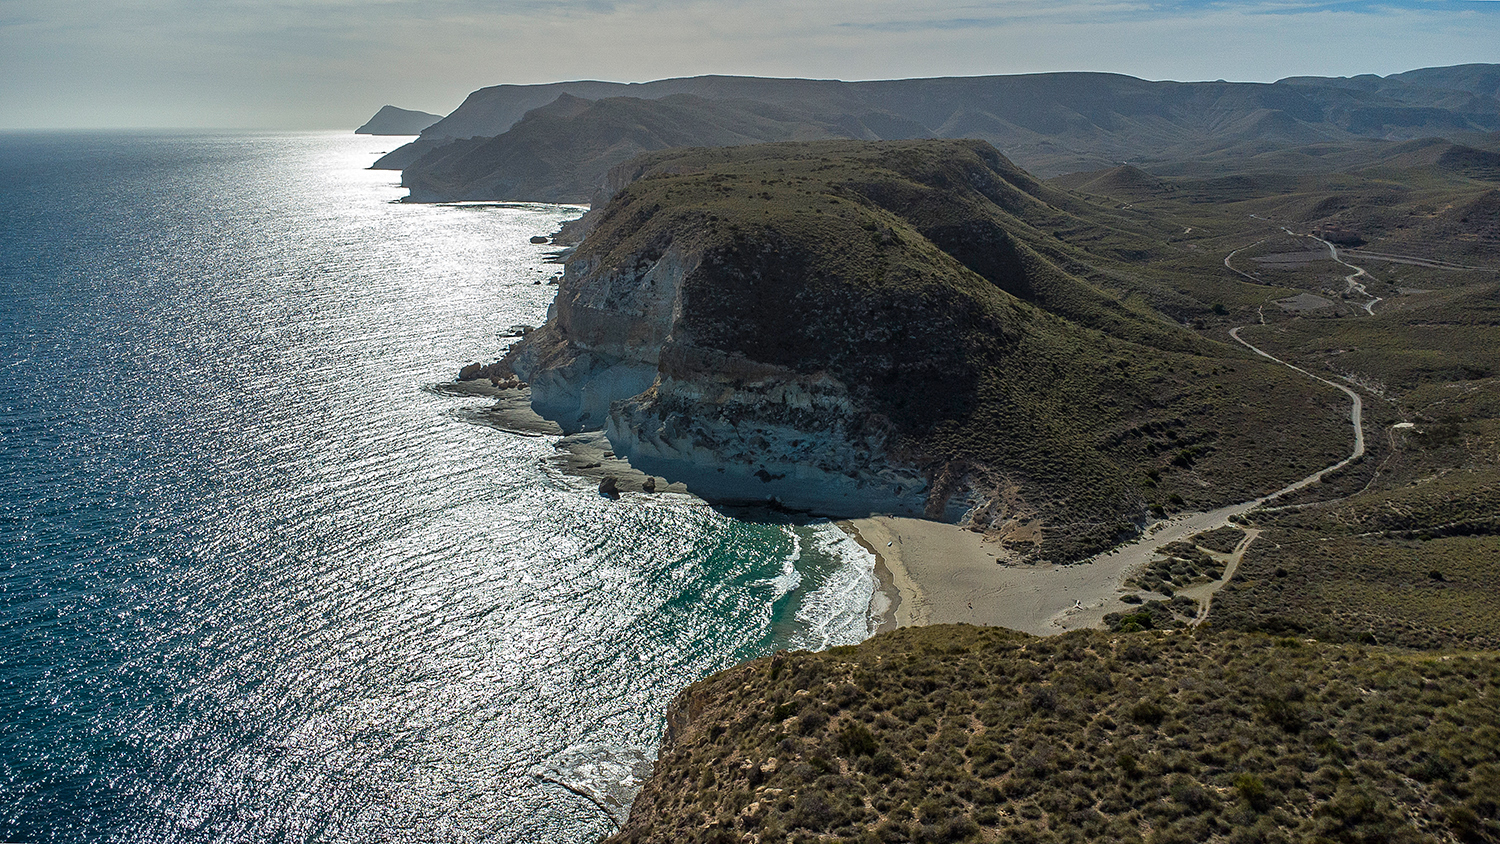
x=616, y=355
x=602, y=340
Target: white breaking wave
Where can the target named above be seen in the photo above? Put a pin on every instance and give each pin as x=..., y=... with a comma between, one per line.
x=838, y=611
x=789, y=578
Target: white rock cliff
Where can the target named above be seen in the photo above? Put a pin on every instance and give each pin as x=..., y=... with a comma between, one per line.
x=615, y=355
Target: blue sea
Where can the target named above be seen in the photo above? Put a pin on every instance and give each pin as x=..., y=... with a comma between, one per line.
x=259, y=581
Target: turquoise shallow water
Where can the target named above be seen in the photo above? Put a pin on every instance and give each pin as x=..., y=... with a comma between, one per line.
x=258, y=583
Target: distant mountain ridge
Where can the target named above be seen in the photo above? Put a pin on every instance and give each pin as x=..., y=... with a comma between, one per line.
x=564, y=150
x=1049, y=123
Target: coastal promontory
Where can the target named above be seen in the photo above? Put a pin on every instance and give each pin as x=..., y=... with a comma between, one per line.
x=912, y=327
x=397, y=121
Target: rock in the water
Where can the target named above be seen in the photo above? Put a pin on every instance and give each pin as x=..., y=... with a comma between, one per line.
x=608, y=487
x=649, y=485
x=470, y=372
x=536, y=238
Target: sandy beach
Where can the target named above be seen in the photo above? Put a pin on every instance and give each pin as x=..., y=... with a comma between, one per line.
x=936, y=573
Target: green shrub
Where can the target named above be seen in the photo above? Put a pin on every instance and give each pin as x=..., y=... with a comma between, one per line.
x=856, y=740
x=1147, y=712
x=1253, y=791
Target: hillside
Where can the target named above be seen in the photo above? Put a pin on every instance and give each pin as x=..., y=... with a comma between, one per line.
x=562, y=152
x=1408, y=552
x=916, y=327
x=1430, y=198
x=964, y=734
x=1048, y=123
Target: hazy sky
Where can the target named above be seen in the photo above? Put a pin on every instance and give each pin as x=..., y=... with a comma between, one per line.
x=332, y=63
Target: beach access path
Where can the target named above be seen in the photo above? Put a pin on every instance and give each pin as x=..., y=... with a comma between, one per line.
x=938, y=573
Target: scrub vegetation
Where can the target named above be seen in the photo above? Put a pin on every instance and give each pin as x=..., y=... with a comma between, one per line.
x=962, y=734
x=1345, y=686
x=1417, y=566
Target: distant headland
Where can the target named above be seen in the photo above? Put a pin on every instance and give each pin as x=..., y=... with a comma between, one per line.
x=397, y=121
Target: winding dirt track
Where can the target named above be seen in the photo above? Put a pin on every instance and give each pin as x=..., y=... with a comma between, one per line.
x=1355, y=415
x=1102, y=575
x=1230, y=266
x=937, y=575
x=1350, y=284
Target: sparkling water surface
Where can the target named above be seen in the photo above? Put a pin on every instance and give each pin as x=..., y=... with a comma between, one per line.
x=259, y=583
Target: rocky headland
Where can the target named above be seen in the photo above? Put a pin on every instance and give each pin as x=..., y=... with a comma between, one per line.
x=900, y=327
x=922, y=328
x=391, y=120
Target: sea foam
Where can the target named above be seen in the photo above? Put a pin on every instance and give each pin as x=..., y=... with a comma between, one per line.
x=837, y=609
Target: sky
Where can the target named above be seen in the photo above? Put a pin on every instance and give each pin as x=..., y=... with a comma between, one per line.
x=330, y=64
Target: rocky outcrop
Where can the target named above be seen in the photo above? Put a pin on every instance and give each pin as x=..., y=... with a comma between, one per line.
x=615, y=355
x=602, y=340
x=732, y=429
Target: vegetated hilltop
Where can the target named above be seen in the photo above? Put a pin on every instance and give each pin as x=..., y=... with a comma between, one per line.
x=911, y=327
x=397, y=121
x=963, y=734
x=1049, y=123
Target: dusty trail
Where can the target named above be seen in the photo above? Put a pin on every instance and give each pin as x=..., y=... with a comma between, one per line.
x=1355, y=414
x=1111, y=568
x=1412, y=260
x=1230, y=266
x=1204, y=593
x=1350, y=285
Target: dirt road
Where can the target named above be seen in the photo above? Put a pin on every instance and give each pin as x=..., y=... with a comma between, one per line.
x=1350, y=283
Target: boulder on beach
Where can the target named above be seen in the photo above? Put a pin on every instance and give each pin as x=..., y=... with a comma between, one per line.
x=609, y=487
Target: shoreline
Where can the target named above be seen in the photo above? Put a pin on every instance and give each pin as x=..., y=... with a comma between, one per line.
x=887, y=600
x=926, y=572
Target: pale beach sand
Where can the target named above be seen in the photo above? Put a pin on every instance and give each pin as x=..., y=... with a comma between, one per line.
x=938, y=573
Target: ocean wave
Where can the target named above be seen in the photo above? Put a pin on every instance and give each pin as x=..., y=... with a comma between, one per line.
x=838, y=610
